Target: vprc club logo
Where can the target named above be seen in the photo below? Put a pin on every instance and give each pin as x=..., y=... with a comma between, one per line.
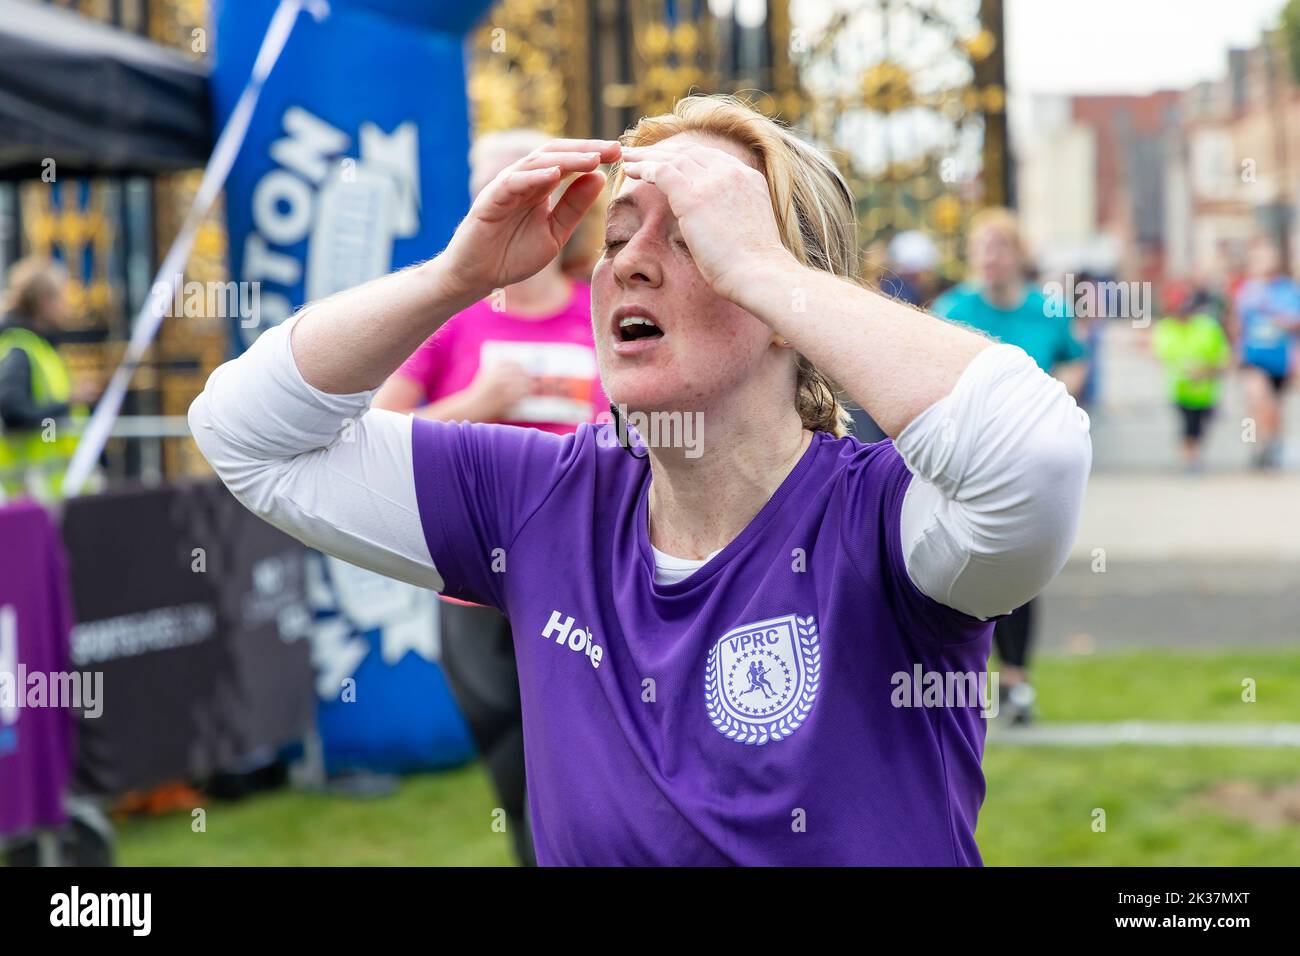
x=761, y=679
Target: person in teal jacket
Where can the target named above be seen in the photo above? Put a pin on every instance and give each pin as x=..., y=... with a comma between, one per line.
x=998, y=301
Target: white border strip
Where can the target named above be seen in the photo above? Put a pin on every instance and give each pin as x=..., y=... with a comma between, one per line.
x=1147, y=733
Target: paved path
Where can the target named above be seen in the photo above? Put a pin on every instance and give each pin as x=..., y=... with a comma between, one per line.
x=1186, y=563
x=1190, y=562
x=1176, y=606
x=1226, y=518
x=1135, y=428
x=1146, y=733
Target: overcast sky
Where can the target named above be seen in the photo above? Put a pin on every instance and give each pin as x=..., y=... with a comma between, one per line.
x=1126, y=46
x=1083, y=46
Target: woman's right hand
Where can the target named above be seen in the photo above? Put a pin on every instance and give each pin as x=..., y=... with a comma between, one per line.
x=511, y=232
x=356, y=339
x=496, y=389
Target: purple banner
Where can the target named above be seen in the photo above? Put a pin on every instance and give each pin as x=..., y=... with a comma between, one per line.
x=35, y=621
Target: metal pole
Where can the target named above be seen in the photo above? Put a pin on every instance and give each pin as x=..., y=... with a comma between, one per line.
x=992, y=72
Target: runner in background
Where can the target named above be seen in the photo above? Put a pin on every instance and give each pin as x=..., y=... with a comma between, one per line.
x=37, y=394
x=904, y=269
x=1268, y=313
x=643, y=585
x=524, y=356
x=1195, y=352
x=1091, y=329
x=913, y=259
x=997, y=300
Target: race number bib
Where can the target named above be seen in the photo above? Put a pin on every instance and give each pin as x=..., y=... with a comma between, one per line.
x=564, y=375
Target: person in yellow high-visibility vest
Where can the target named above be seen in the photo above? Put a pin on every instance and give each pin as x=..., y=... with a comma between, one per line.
x=36, y=392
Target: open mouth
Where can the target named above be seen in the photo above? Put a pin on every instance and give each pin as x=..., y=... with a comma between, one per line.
x=634, y=328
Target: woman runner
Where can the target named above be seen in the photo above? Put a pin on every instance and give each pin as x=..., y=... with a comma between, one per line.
x=643, y=582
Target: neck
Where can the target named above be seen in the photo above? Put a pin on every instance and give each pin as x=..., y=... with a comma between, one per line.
x=23, y=320
x=539, y=295
x=698, y=505
x=1005, y=293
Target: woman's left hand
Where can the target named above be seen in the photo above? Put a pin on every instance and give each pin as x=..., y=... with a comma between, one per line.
x=723, y=209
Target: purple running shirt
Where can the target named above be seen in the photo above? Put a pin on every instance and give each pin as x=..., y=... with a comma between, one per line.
x=745, y=715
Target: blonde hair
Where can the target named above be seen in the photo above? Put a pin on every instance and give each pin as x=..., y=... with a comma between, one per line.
x=997, y=219
x=30, y=282
x=813, y=207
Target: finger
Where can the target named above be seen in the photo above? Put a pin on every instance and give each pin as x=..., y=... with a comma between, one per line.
x=575, y=202
x=658, y=153
x=667, y=176
x=643, y=170
x=569, y=162
x=520, y=181
x=651, y=167
x=668, y=152
x=520, y=188
x=608, y=148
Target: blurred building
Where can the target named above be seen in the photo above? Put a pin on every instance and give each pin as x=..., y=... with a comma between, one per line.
x=1173, y=183
x=1057, y=162
x=1091, y=170
x=1232, y=172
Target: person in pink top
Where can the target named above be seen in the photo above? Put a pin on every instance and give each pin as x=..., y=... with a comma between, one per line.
x=533, y=364
x=524, y=356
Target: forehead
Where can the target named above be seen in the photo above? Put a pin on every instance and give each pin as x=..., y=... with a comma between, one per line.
x=631, y=192
x=993, y=234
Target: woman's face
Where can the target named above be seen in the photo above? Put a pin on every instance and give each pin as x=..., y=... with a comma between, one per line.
x=1264, y=259
x=702, y=346
x=55, y=309
x=995, y=256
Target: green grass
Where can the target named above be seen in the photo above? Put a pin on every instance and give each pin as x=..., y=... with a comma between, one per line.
x=1160, y=685
x=1040, y=804
x=443, y=819
x=1039, y=808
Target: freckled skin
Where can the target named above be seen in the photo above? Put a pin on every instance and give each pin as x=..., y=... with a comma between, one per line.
x=713, y=353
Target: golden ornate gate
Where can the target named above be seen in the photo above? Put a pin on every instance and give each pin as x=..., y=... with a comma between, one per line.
x=911, y=94
x=907, y=94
